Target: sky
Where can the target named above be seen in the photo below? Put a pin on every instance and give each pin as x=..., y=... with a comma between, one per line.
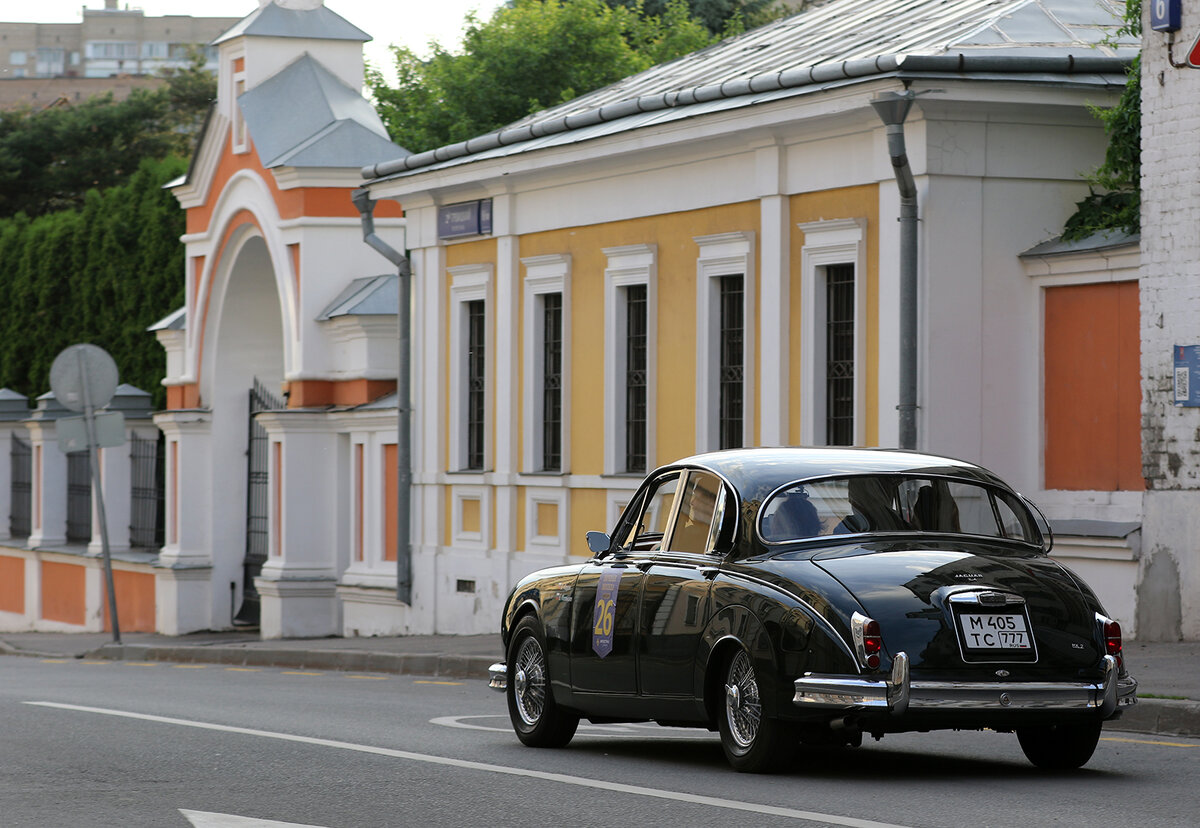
x=411, y=23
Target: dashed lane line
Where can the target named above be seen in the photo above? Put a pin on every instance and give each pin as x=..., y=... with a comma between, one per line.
x=607, y=787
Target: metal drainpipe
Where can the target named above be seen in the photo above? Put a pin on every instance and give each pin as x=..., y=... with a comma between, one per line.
x=892, y=108
x=366, y=209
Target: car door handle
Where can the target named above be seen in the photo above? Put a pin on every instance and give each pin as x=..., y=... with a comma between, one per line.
x=710, y=572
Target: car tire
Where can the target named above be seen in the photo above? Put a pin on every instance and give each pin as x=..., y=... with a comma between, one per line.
x=753, y=743
x=1060, y=746
x=536, y=717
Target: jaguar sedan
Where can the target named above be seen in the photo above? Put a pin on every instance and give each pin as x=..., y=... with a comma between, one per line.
x=788, y=596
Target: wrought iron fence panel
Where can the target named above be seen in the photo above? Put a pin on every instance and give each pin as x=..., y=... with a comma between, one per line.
x=21, y=486
x=258, y=492
x=147, y=492
x=79, y=497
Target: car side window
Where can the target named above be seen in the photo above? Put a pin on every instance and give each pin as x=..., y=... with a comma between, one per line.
x=646, y=532
x=698, y=519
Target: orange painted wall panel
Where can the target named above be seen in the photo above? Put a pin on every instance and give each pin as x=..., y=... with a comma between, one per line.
x=135, y=601
x=12, y=584
x=391, y=493
x=1093, y=387
x=64, y=594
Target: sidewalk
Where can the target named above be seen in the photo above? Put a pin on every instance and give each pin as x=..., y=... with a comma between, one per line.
x=1168, y=674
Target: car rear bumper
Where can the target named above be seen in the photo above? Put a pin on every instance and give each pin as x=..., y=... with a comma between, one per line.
x=897, y=694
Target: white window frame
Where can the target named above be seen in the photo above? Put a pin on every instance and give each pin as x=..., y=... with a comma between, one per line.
x=627, y=266
x=469, y=283
x=835, y=242
x=544, y=275
x=240, y=135
x=723, y=254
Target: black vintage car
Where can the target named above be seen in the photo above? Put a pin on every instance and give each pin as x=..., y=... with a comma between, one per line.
x=783, y=596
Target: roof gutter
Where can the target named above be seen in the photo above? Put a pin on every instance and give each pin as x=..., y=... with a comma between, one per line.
x=758, y=84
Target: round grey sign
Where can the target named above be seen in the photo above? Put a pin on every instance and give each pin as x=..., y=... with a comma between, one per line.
x=83, y=375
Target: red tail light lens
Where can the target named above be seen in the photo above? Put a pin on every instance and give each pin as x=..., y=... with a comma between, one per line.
x=868, y=640
x=873, y=643
x=1111, y=632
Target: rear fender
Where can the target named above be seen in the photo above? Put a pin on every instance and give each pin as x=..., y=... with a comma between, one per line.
x=728, y=630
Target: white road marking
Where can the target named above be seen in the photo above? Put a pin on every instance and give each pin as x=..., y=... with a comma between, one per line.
x=613, y=731
x=562, y=778
x=204, y=819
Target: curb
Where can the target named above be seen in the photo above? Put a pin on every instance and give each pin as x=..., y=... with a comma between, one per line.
x=424, y=664
x=1161, y=716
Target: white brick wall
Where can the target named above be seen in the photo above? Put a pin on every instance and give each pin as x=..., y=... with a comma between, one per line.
x=1169, y=581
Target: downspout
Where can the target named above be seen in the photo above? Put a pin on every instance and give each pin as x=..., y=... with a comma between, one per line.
x=892, y=108
x=366, y=209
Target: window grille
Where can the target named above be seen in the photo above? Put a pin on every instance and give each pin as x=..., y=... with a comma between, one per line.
x=552, y=356
x=839, y=355
x=635, y=378
x=732, y=369
x=476, y=383
x=147, y=495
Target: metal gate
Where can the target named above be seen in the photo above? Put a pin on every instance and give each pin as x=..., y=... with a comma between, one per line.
x=258, y=491
x=79, y=497
x=21, y=485
x=147, y=495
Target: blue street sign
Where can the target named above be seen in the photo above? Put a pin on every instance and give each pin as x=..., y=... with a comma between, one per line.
x=1187, y=376
x=469, y=218
x=1164, y=15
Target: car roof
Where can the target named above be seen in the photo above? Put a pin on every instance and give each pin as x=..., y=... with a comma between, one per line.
x=756, y=472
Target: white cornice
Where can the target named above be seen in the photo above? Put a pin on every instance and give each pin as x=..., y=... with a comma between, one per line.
x=194, y=192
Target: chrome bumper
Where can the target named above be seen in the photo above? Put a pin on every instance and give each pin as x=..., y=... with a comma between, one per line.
x=897, y=695
x=498, y=677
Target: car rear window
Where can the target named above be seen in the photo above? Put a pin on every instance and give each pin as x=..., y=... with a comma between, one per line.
x=893, y=503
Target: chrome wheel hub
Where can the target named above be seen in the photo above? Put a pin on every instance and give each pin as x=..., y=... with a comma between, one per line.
x=743, y=709
x=529, y=681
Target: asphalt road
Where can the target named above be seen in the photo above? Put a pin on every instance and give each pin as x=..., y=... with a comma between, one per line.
x=126, y=744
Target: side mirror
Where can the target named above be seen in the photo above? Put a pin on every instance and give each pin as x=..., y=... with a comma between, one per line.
x=598, y=542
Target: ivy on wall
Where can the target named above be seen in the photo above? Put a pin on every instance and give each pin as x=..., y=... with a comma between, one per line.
x=1115, y=200
x=100, y=274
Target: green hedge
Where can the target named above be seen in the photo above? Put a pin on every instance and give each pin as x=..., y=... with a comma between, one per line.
x=101, y=274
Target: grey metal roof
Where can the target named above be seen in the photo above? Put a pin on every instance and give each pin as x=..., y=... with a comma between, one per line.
x=837, y=42
x=1102, y=240
x=367, y=296
x=305, y=116
x=174, y=321
x=273, y=20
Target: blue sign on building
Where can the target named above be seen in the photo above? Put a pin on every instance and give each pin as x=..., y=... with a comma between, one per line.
x=1164, y=15
x=468, y=218
x=1187, y=375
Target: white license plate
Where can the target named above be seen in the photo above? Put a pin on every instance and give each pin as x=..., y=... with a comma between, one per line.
x=993, y=631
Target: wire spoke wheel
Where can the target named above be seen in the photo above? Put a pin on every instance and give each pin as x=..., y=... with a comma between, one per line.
x=743, y=708
x=529, y=681
x=536, y=718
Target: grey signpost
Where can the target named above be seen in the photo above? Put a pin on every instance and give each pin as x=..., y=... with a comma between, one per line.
x=84, y=378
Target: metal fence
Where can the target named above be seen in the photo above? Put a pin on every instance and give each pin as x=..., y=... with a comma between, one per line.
x=79, y=497
x=21, y=485
x=147, y=492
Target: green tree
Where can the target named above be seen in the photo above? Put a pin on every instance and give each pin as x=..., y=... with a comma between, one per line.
x=718, y=15
x=1115, y=198
x=100, y=274
x=531, y=55
x=49, y=159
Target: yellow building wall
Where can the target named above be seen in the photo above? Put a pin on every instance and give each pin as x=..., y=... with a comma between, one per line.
x=482, y=251
x=844, y=203
x=675, y=346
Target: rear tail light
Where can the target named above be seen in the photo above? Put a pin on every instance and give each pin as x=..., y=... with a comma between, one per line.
x=1110, y=631
x=868, y=640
